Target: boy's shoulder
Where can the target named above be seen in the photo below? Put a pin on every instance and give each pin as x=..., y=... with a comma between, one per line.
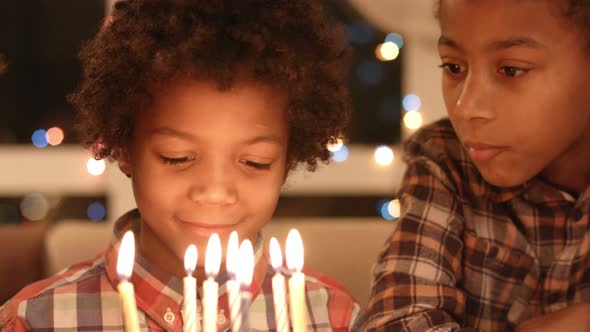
x=317, y=280
x=39, y=303
x=436, y=151
x=328, y=297
x=437, y=141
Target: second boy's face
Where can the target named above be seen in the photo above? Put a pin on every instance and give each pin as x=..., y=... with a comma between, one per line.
x=515, y=83
x=205, y=161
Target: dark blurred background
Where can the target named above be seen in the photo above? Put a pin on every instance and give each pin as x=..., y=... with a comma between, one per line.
x=39, y=41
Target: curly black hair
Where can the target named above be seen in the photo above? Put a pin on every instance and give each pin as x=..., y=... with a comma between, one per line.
x=292, y=45
x=579, y=12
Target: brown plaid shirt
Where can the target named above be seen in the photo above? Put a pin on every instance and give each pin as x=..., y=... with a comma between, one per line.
x=465, y=255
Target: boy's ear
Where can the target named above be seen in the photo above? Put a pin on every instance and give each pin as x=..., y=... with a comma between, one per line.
x=123, y=160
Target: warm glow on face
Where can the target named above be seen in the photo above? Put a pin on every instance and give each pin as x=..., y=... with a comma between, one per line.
x=294, y=251
x=232, y=254
x=95, y=167
x=413, y=120
x=126, y=256
x=213, y=255
x=384, y=155
x=190, y=259
x=246, y=264
x=276, y=255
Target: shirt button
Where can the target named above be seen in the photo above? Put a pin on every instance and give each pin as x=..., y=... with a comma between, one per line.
x=221, y=318
x=576, y=214
x=169, y=316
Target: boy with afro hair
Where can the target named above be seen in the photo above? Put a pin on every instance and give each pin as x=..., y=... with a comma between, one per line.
x=206, y=106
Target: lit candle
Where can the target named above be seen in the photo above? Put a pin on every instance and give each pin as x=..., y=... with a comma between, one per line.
x=233, y=287
x=210, y=287
x=278, y=287
x=189, y=304
x=244, y=276
x=125, y=288
x=296, y=282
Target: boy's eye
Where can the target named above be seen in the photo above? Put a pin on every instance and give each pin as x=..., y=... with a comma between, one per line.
x=512, y=71
x=255, y=165
x=452, y=68
x=176, y=161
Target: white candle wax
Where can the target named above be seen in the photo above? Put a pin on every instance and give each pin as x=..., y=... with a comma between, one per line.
x=210, y=286
x=232, y=285
x=296, y=282
x=125, y=261
x=210, y=293
x=278, y=288
x=189, y=303
x=244, y=277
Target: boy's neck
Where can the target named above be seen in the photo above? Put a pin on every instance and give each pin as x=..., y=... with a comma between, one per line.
x=571, y=170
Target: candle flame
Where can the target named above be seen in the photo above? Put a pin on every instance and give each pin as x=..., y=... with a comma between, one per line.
x=276, y=255
x=213, y=255
x=126, y=256
x=294, y=251
x=246, y=264
x=190, y=259
x=232, y=255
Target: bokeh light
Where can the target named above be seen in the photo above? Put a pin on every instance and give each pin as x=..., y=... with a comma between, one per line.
x=54, y=136
x=384, y=155
x=370, y=72
x=341, y=155
x=382, y=209
x=411, y=103
x=387, y=51
x=95, y=167
x=389, y=209
x=34, y=206
x=39, y=138
x=413, y=120
x=394, y=208
x=96, y=211
x=336, y=146
x=395, y=38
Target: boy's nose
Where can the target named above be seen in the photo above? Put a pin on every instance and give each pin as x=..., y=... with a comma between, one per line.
x=214, y=187
x=473, y=102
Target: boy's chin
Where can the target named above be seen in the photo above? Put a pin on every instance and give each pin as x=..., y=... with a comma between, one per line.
x=504, y=178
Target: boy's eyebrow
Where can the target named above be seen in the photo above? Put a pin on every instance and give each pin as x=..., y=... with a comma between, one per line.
x=173, y=132
x=516, y=41
x=446, y=41
x=264, y=139
x=189, y=137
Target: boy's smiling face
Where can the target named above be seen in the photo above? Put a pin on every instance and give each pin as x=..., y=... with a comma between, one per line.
x=203, y=160
x=516, y=86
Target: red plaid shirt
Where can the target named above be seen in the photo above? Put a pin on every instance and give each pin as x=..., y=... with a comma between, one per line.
x=84, y=298
x=468, y=255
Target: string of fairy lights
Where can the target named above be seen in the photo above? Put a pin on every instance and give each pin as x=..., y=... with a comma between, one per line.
x=35, y=206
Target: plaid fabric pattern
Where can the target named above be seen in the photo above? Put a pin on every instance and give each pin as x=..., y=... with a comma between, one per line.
x=84, y=297
x=466, y=256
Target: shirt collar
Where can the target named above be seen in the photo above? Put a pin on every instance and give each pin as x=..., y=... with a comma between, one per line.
x=159, y=293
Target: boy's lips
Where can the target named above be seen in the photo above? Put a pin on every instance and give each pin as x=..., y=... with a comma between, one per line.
x=206, y=229
x=483, y=152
